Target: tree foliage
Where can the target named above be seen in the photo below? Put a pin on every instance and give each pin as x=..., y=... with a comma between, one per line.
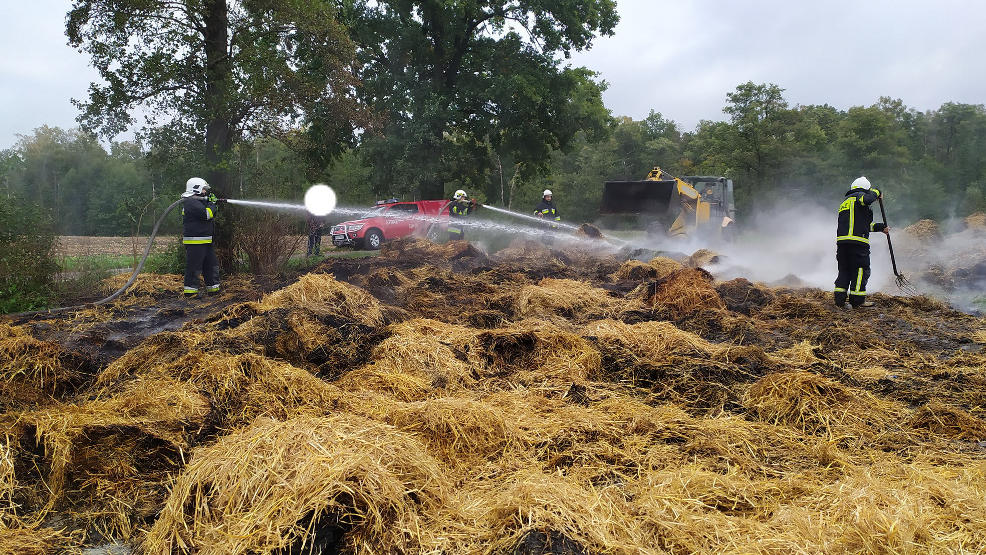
x=459, y=80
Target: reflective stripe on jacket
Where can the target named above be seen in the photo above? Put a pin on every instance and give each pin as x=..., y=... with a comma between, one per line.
x=198, y=225
x=547, y=211
x=856, y=217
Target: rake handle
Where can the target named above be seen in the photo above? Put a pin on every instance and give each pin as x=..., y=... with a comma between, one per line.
x=893, y=261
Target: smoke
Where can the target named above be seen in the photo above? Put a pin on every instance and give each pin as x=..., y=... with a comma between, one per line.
x=789, y=244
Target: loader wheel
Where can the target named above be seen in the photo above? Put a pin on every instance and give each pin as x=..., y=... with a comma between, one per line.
x=373, y=239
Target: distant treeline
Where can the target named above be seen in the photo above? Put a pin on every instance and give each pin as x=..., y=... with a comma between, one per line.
x=931, y=164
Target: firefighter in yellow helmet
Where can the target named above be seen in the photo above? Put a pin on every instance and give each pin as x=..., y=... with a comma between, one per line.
x=458, y=210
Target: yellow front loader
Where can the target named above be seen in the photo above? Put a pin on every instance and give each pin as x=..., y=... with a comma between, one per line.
x=693, y=204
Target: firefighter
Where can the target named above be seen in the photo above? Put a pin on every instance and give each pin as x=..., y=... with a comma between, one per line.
x=459, y=208
x=198, y=211
x=853, y=244
x=315, y=225
x=546, y=211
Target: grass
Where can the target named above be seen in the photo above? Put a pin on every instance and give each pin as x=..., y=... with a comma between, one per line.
x=103, y=261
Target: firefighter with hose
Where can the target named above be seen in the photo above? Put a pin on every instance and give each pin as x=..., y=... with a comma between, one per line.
x=458, y=210
x=546, y=211
x=853, y=244
x=198, y=209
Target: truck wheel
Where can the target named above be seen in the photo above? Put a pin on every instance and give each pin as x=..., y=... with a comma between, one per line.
x=373, y=239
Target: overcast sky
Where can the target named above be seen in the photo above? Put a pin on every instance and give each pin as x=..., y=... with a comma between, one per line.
x=679, y=58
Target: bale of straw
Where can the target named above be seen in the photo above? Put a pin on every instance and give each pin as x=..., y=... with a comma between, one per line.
x=565, y=298
x=665, y=266
x=324, y=295
x=332, y=483
x=329, y=345
x=952, y=422
x=819, y=405
x=634, y=270
x=924, y=230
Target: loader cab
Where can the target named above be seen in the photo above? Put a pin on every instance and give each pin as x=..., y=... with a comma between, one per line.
x=717, y=192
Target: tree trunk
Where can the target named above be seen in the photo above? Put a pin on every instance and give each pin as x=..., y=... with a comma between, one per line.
x=219, y=132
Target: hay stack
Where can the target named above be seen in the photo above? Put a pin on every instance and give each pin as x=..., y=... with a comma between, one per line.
x=952, y=422
x=340, y=482
x=106, y=458
x=681, y=293
x=324, y=295
x=34, y=372
x=418, y=361
x=702, y=258
x=32, y=539
x=535, y=353
x=146, y=284
x=658, y=268
x=976, y=221
x=819, y=405
x=563, y=298
x=924, y=230
x=739, y=295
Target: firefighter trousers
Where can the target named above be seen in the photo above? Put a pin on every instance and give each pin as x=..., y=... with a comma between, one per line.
x=854, y=272
x=201, y=259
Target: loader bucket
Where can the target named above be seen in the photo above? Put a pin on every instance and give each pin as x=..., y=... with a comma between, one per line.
x=638, y=197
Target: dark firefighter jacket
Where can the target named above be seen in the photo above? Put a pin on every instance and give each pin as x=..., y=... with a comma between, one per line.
x=458, y=210
x=547, y=211
x=856, y=217
x=198, y=223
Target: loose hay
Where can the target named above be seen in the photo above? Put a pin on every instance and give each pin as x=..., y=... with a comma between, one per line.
x=323, y=294
x=276, y=485
x=566, y=298
x=819, y=405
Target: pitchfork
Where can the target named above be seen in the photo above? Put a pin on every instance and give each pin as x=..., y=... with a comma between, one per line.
x=899, y=277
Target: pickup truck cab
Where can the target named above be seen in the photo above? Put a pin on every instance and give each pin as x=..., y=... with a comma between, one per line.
x=393, y=219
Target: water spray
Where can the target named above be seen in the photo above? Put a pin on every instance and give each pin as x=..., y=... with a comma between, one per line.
x=531, y=218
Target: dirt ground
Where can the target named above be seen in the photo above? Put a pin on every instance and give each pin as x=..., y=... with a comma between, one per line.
x=441, y=399
x=76, y=245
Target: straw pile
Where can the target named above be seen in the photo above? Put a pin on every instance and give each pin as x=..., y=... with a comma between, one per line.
x=305, y=484
x=976, y=221
x=34, y=372
x=324, y=295
x=433, y=400
x=702, y=258
x=564, y=298
x=924, y=230
x=681, y=293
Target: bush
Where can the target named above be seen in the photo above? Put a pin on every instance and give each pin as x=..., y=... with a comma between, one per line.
x=171, y=261
x=269, y=240
x=27, y=265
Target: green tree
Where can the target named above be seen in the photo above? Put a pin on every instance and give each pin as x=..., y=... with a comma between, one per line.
x=215, y=70
x=457, y=79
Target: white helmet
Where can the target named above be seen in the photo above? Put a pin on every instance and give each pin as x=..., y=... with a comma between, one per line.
x=196, y=186
x=546, y=193
x=459, y=194
x=861, y=183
